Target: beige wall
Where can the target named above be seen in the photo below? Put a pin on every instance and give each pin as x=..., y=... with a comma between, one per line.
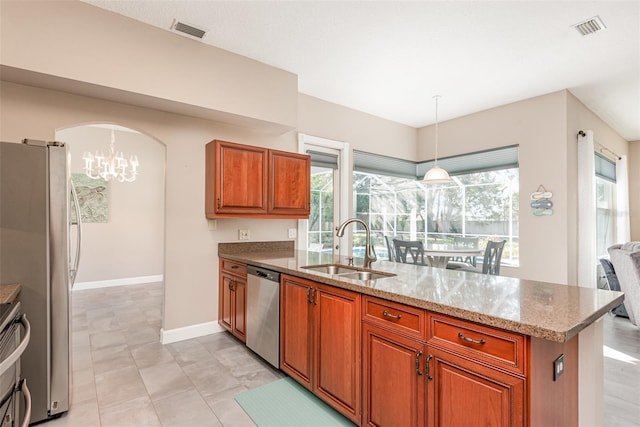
x=634, y=188
x=190, y=252
x=537, y=125
x=544, y=127
x=74, y=43
x=131, y=243
x=362, y=131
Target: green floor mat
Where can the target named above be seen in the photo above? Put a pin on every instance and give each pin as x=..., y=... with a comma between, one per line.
x=286, y=403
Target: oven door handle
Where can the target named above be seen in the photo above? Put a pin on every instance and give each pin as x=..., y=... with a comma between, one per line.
x=26, y=393
x=13, y=357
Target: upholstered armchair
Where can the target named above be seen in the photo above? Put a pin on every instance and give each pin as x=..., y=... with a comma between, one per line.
x=626, y=262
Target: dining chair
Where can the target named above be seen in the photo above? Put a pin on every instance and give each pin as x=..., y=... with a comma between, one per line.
x=490, y=261
x=414, y=248
x=464, y=242
x=390, y=248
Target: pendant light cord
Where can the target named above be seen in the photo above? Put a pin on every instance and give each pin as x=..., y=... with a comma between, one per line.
x=436, y=97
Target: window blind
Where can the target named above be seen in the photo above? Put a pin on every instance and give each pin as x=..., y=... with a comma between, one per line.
x=383, y=165
x=481, y=161
x=605, y=168
x=325, y=160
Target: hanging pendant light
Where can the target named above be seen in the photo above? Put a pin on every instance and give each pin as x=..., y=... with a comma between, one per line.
x=436, y=175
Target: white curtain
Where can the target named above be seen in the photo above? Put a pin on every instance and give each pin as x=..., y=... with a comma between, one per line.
x=587, y=257
x=623, y=228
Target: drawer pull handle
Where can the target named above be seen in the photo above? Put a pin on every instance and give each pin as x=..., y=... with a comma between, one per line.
x=471, y=340
x=233, y=267
x=391, y=316
x=418, y=371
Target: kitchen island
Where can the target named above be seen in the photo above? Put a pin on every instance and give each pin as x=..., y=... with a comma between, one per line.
x=476, y=348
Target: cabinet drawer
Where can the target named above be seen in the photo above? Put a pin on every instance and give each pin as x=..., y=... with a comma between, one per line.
x=233, y=267
x=400, y=318
x=489, y=345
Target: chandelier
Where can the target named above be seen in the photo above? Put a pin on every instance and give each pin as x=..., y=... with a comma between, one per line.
x=113, y=166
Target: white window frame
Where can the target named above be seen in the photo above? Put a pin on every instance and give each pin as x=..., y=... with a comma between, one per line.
x=342, y=186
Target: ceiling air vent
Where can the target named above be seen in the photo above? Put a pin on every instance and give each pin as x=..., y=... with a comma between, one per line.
x=590, y=26
x=187, y=29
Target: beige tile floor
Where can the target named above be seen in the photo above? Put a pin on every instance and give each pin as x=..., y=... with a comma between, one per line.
x=123, y=376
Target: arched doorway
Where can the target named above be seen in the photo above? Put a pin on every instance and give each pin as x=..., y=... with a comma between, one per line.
x=123, y=232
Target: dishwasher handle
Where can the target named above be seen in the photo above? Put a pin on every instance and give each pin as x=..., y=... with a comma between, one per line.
x=263, y=273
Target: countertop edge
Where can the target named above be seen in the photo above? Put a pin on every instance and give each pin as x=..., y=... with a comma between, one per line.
x=524, y=328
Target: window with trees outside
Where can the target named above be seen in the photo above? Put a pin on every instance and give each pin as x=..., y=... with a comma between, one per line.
x=482, y=200
x=482, y=204
x=320, y=229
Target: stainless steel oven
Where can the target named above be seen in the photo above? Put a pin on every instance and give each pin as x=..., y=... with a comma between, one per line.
x=12, y=385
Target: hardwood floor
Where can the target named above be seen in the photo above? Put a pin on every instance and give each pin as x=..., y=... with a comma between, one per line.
x=124, y=377
x=621, y=372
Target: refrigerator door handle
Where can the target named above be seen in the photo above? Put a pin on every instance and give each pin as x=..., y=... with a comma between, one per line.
x=76, y=207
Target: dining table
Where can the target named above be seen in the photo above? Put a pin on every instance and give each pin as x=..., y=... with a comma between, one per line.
x=437, y=255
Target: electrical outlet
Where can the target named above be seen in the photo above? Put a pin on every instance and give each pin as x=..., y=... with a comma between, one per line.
x=293, y=233
x=243, y=234
x=558, y=367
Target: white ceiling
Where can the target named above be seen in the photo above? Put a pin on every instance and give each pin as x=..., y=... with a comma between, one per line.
x=390, y=58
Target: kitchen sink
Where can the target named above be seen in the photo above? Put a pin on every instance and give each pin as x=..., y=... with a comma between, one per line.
x=366, y=275
x=348, y=272
x=331, y=268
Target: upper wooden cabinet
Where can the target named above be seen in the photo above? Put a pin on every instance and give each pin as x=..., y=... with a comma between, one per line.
x=248, y=181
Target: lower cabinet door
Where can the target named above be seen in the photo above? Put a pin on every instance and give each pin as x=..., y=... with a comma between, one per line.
x=240, y=309
x=394, y=379
x=465, y=393
x=225, y=307
x=295, y=330
x=337, y=349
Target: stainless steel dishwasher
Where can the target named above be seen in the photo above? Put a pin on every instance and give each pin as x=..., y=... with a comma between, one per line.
x=263, y=313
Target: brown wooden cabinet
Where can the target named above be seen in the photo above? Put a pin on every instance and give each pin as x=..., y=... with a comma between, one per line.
x=476, y=374
x=289, y=184
x=394, y=386
x=320, y=341
x=394, y=351
x=247, y=181
x=232, y=298
x=463, y=392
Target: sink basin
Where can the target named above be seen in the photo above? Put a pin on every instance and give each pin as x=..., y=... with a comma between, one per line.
x=331, y=268
x=366, y=275
x=348, y=272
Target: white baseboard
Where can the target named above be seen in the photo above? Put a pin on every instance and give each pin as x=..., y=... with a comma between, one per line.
x=79, y=286
x=189, y=332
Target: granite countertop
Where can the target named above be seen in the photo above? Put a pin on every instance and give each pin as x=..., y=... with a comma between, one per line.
x=9, y=292
x=544, y=310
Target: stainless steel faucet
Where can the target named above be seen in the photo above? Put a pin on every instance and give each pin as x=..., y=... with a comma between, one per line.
x=369, y=252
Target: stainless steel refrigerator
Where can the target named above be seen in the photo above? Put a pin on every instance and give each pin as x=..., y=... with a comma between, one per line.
x=35, y=200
